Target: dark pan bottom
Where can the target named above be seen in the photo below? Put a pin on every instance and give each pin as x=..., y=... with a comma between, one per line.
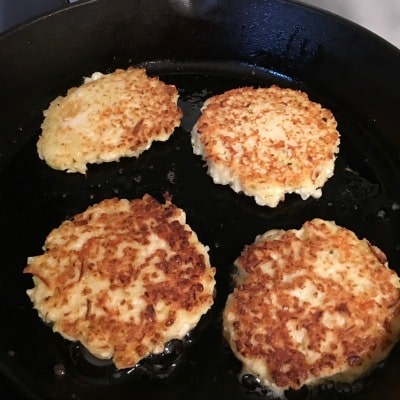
x=363, y=195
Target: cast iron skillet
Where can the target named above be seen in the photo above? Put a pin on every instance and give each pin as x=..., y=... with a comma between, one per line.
x=203, y=48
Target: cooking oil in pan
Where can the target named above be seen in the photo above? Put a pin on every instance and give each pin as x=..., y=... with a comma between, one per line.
x=363, y=196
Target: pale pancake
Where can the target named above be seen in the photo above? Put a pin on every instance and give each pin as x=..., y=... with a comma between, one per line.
x=108, y=117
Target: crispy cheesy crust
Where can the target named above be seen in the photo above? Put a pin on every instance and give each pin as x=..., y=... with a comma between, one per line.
x=108, y=117
x=310, y=305
x=123, y=278
x=267, y=142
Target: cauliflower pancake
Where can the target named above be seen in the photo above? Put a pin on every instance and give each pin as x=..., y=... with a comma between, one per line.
x=310, y=305
x=123, y=278
x=108, y=117
x=267, y=142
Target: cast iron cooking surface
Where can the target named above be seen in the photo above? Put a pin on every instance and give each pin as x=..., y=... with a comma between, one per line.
x=255, y=43
x=363, y=195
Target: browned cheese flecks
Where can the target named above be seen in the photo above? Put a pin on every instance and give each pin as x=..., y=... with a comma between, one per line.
x=108, y=117
x=123, y=278
x=267, y=142
x=310, y=305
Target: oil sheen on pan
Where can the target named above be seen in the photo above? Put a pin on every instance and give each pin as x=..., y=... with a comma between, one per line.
x=361, y=195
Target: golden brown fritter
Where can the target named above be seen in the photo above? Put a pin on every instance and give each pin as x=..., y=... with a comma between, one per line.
x=312, y=304
x=267, y=142
x=123, y=278
x=106, y=118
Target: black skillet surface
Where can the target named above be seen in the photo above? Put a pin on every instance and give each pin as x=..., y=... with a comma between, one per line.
x=202, y=49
